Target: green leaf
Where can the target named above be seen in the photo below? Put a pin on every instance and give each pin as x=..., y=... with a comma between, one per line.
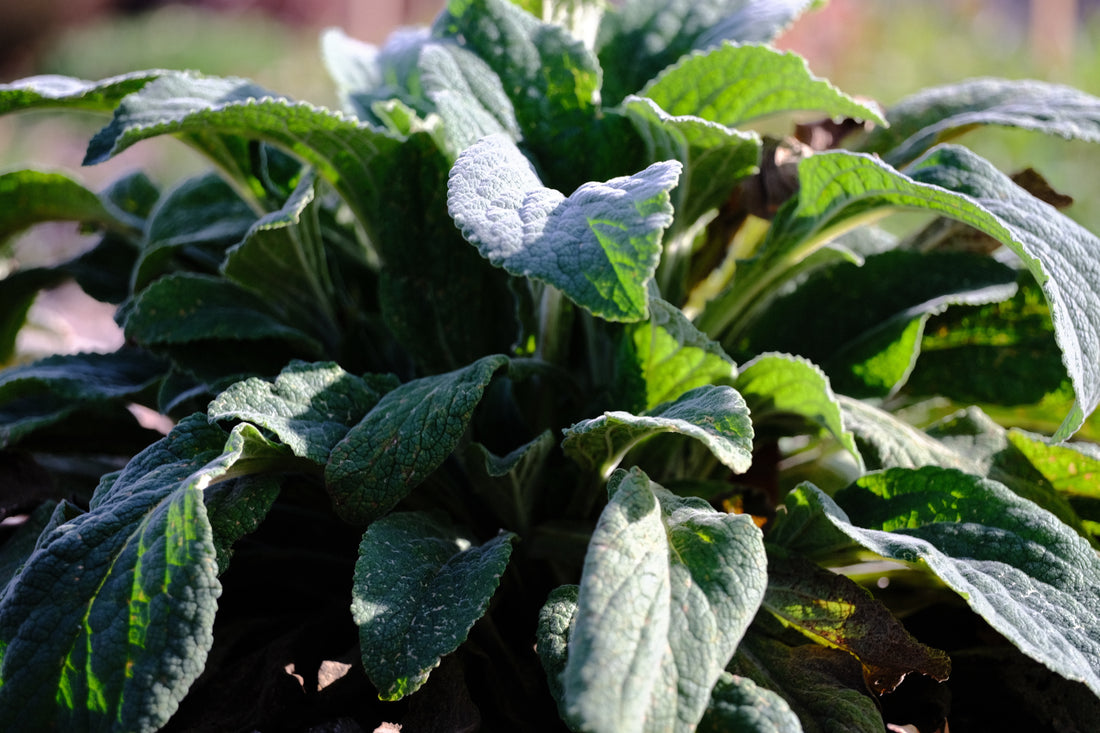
x=824, y=687
x=862, y=323
x=188, y=308
x=191, y=228
x=1068, y=469
x=282, y=260
x=779, y=386
x=886, y=441
x=556, y=619
x=419, y=588
x=1057, y=251
x=834, y=611
x=642, y=37
x=1029, y=576
x=669, y=587
x=715, y=415
x=997, y=354
x=50, y=91
x=110, y=620
x=736, y=84
x=937, y=114
x=236, y=508
x=30, y=197
x=548, y=74
x=41, y=394
x=309, y=407
x=600, y=246
x=662, y=358
x=510, y=484
x=714, y=157
x=403, y=438
x=17, y=293
x=739, y=704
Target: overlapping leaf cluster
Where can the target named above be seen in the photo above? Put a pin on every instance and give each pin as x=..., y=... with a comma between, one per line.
x=546, y=318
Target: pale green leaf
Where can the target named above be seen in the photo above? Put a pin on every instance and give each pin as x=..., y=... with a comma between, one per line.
x=55, y=91
x=29, y=197
x=940, y=113
x=556, y=618
x=600, y=245
x=665, y=356
x=418, y=589
x=778, y=386
x=669, y=587
x=715, y=415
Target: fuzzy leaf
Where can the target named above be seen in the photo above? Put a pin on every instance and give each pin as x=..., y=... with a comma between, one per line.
x=110, y=620
x=403, y=438
x=1032, y=578
x=668, y=588
x=739, y=704
x=885, y=441
x=418, y=590
x=642, y=37
x=51, y=91
x=190, y=309
x=309, y=407
x=937, y=114
x=600, y=245
x=556, y=619
x=734, y=84
x=833, y=610
x=510, y=483
x=776, y=386
x=1069, y=470
x=666, y=356
x=1058, y=252
x=715, y=415
x=548, y=74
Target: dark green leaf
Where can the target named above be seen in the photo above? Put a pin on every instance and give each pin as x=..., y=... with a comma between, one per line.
x=715, y=415
x=510, y=484
x=191, y=228
x=406, y=436
x=29, y=197
x=45, y=392
x=419, y=588
x=556, y=619
x=110, y=620
x=600, y=246
x=862, y=323
x=824, y=687
x=17, y=293
x=669, y=587
x=187, y=308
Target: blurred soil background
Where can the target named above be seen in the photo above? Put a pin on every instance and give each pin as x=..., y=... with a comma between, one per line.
x=882, y=49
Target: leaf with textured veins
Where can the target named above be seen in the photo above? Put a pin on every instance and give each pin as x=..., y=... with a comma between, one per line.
x=600, y=245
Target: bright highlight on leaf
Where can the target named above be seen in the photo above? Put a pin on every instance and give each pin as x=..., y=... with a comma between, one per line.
x=600, y=245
